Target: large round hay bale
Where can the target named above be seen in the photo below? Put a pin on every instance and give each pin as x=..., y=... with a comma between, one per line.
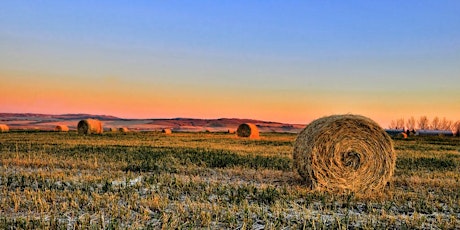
x=166, y=131
x=123, y=129
x=90, y=126
x=61, y=128
x=344, y=153
x=4, y=128
x=247, y=130
x=113, y=129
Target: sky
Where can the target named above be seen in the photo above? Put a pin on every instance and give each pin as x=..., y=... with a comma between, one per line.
x=285, y=61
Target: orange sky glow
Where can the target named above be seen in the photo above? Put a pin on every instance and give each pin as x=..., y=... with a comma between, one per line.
x=41, y=94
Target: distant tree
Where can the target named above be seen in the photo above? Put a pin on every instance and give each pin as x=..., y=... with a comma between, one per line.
x=445, y=124
x=410, y=123
x=435, y=123
x=456, y=128
x=397, y=124
x=392, y=124
x=423, y=122
x=400, y=123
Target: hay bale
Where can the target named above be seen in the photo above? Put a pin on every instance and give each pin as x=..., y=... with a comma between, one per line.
x=403, y=135
x=113, y=129
x=166, y=131
x=344, y=153
x=90, y=126
x=123, y=129
x=61, y=128
x=4, y=128
x=247, y=130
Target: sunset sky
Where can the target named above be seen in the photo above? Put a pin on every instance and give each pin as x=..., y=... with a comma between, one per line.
x=286, y=61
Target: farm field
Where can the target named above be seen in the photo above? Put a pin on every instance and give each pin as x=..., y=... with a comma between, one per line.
x=210, y=180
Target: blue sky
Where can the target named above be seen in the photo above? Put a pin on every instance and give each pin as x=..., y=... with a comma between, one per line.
x=357, y=53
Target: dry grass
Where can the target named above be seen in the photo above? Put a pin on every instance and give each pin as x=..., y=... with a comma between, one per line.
x=345, y=153
x=147, y=180
x=90, y=126
x=248, y=130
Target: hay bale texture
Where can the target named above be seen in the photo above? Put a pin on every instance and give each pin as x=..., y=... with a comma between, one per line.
x=344, y=153
x=247, y=130
x=90, y=126
x=61, y=128
x=4, y=128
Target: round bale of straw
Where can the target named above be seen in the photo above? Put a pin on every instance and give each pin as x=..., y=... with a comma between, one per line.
x=247, y=130
x=113, y=129
x=4, y=128
x=166, y=131
x=344, y=153
x=90, y=126
x=123, y=130
x=61, y=128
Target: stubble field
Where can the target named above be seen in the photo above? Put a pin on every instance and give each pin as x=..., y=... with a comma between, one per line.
x=210, y=180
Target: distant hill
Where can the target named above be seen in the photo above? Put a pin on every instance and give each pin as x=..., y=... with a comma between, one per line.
x=25, y=121
x=29, y=116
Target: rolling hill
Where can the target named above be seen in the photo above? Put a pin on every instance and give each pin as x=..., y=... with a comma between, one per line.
x=32, y=121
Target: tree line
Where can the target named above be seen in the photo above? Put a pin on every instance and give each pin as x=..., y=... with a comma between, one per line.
x=424, y=123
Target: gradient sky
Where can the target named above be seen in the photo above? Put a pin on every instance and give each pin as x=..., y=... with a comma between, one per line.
x=287, y=61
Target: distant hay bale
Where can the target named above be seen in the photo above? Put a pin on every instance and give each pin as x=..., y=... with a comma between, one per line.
x=4, y=128
x=113, y=129
x=166, y=131
x=61, y=128
x=403, y=135
x=247, y=130
x=344, y=153
x=123, y=130
x=90, y=126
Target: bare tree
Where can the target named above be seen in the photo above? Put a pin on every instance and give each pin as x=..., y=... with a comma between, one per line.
x=392, y=124
x=423, y=122
x=445, y=124
x=400, y=123
x=435, y=123
x=410, y=123
x=456, y=128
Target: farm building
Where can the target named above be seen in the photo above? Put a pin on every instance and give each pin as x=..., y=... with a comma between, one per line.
x=394, y=132
x=425, y=132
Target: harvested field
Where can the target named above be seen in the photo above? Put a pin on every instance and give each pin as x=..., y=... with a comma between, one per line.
x=210, y=180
